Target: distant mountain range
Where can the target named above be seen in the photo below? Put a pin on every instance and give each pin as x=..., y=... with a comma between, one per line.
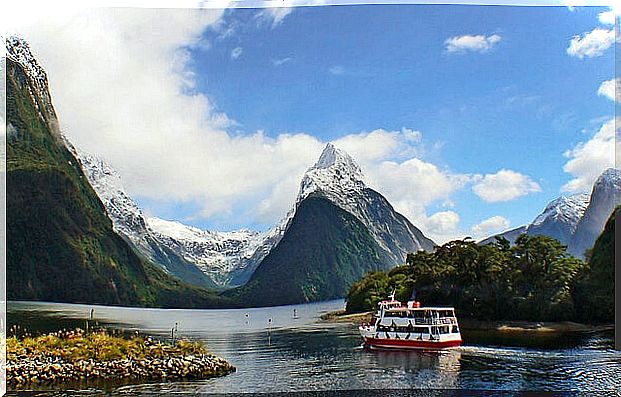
x=76, y=235
x=230, y=259
x=575, y=220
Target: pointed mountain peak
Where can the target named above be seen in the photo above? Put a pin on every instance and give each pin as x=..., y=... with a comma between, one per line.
x=333, y=157
x=335, y=174
x=329, y=156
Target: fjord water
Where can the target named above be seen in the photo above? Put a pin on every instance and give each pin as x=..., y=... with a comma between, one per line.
x=305, y=353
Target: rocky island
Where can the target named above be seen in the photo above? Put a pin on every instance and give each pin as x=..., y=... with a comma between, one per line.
x=86, y=358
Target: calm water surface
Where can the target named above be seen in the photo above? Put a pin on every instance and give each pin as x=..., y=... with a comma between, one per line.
x=303, y=353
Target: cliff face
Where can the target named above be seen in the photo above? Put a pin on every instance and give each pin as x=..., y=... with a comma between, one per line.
x=60, y=243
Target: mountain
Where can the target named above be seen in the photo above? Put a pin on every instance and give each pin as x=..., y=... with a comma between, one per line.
x=575, y=220
x=201, y=257
x=60, y=243
x=338, y=230
x=222, y=256
x=229, y=259
x=605, y=196
x=338, y=178
x=560, y=217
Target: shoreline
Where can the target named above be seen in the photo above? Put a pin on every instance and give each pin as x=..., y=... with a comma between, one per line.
x=471, y=324
x=70, y=358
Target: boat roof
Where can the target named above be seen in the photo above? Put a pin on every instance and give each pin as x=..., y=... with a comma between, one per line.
x=402, y=308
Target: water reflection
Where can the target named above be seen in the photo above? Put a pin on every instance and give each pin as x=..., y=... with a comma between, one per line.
x=296, y=353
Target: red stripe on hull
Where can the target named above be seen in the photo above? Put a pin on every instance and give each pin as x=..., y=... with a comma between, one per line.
x=410, y=344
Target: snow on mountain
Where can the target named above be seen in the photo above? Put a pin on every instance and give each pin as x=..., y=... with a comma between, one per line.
x=19, y=52
x=558, y=220
x=230, y=258
x=567, y=209
x=560, y=217
x=219, y=255
x=605, y=196
x=575, y=220
x=337, y=177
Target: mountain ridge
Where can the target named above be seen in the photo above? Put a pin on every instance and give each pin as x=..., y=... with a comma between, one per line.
x=574, y=220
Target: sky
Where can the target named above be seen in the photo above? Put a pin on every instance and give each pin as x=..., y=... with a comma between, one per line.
x=469, y=119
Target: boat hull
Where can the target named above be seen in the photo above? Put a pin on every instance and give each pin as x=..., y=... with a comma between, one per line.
x=410, y=344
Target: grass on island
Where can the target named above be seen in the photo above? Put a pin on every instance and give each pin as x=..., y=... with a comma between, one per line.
x=100, y=345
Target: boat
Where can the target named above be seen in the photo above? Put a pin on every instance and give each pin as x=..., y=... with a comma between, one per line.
x=395, y=326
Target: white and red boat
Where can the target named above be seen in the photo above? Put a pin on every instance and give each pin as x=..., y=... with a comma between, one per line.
x=395, y=326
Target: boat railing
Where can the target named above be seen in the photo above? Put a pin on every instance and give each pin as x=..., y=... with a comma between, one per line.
x=431, y=321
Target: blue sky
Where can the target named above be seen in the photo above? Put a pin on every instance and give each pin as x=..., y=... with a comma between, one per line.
x=347, y=69
x=468, y=118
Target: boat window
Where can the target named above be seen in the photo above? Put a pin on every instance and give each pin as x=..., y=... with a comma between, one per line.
x=455, y=329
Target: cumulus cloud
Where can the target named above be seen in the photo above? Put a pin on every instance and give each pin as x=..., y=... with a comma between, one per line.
x=591, y=44
x=587, y=160
x=236, y=52
x=505, y=185
x=131, y=99
x=490, y=226
x=471, y=43
x=611, y=89
x=442, y=223
x=607, y=17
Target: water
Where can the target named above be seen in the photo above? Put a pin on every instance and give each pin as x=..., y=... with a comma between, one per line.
x=304, y=353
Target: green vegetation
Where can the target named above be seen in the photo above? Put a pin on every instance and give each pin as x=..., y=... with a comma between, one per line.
x=60, y=243
x=71, y=358
x=595, y=291
x=533, y=280
x=75, y=345
x=323, y=253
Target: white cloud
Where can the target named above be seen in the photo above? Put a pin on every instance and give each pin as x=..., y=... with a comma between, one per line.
x=587, y=160
x=172, y=145
x=490, y=226
x=505, y=185
x=442, y=223
x=611, y=89
x=236, y=52
x=471, y=43
x=591, y=44
x=410, y=184
x=127, y=99
x=380, y=144
x=274, y=15
x=607, y=17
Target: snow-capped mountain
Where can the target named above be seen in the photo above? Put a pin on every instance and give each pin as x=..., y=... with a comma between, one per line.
x=20, y=52
x=560, y=217
x=185, y=251
x=338, y=230
x=229, y=259
x=605, y=196
x=223, y=256
x=337, y=177
x=575, y=220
